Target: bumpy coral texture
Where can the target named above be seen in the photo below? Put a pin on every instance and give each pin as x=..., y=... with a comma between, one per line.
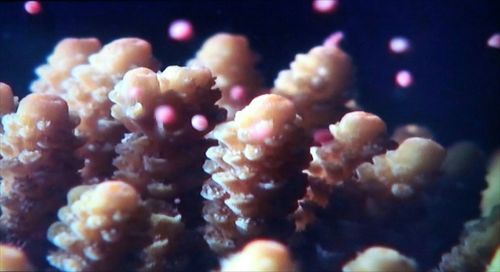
x=13, y=259
x=404, y=132
x=67, y=54
x=255, y=173
x=232, y=62
x=357, y=137
x=477, y=245
x=318, y=83
x=491, y=195
x=38, y=166
x=99, y=229
x=86, y=92
x=260, y=256
x=380, y=259
x=7, y=102
x=161, y=159
x=405, y=169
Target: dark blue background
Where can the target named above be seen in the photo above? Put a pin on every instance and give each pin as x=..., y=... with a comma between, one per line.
x=457, y=77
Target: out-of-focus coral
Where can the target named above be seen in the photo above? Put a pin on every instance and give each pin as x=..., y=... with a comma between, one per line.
x=229, y=58
x=67, y=54
x=86, y=91
x=491, y=195
x=260, y=256
x=164, y=158
x=13, y=259
x=255, y=173
x=404, y=132
x=461, y=158
x=318, y=83
x=100, y=228
x=380, y=259
x=8, y=102
x=38, y=166
x=408, y=167
x=477, y=246
x=495, y=262
x=357, y=137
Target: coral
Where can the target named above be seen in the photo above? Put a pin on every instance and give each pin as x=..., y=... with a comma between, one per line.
x=404, y=132
x=100, y=228
x=232, y=62
x=67, y=54
x=13, y=259
x=380, y=259
x=495, y=262
x=260, y=256
x=255, y=173
x=318, y=83
x=406, y=168
x=86, y=91
x=491, y=195
x=8, y=102
x=477, y=245
x=38, y=165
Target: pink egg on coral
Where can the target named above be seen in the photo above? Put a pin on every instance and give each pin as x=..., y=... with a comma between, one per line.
x=399, y=45
x=33, y=7
x=181, y=30
x=494, y=41
x=199, y=122
x=404, y=79
x=134, y=92
x=260, y=131
x=165, y=114
x=322, y=136
x=334, y=39
x=237, y=93
x=324, y=6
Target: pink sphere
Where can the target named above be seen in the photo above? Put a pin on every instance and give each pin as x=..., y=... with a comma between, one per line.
x=134, y=92
x=237, y=93
x=260, y=131
x=180, y=30
x=494, y=41
x=165, y=114
x=404, y=79
x=324, y=6
x=399, y=45
x=33, y=7
x=322, y=136
x=199, y=122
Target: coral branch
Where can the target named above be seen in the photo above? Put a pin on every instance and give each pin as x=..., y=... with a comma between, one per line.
x=380, y=259
x=13, y=259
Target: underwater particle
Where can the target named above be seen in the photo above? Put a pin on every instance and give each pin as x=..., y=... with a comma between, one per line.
x=199, y=122
x=165, y=114
x=324, y=6
x=181, y=30
x=334, y=39
x=260, y=255
x=399, y=45
x=322, y=136
x=494, y=41
x=33, y=7
x=13, y=259
x=237, y=93
x=404, y=79
x=379, y=258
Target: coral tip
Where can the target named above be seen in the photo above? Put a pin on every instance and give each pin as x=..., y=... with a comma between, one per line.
x=322, y=136
x=33, y=7
x=180, y=30
x=324, y=6
x=404, y=79
x=237, y=93
x=199, y=122
x=399, y=45
x=165, y=115
x=334, y=39
x=494, y=41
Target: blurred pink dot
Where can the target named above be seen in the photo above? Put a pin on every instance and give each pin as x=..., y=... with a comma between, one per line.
x=199, y=122
x=237, y=93
x=399, y=45
x=324, y=6
x=404, y=79
x=33, y=7
x=134, y=92
x=334, y=39
x=322, y=136
x=165, y=114
x=260, y=131
x=494, y=41
x=181, y=30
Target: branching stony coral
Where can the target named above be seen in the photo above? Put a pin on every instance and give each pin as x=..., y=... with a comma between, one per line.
x=255, y=173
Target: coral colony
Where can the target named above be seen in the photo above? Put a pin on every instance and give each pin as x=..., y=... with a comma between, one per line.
x=112, y=164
